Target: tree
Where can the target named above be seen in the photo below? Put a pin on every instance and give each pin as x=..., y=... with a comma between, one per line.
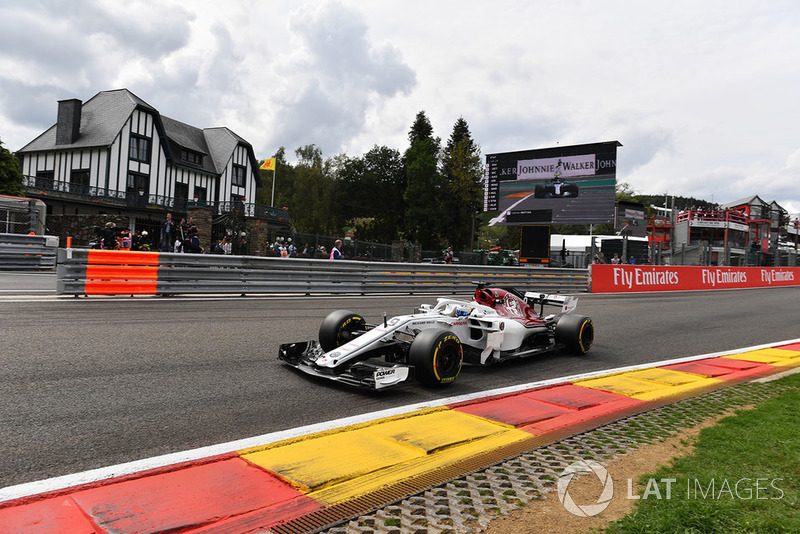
x=311, y=201
x=370, y=193
x=462, y=172
x=10, y=174
x=424, y=185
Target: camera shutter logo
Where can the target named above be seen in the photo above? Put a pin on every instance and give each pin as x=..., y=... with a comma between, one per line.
x=585, y=466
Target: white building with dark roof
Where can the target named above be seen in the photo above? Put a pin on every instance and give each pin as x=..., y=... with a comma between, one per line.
x=117, y=155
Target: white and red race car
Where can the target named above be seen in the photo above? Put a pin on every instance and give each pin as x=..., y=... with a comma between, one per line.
x=435, y=341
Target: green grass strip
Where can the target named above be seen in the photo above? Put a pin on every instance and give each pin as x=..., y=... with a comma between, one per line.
x=743, y=477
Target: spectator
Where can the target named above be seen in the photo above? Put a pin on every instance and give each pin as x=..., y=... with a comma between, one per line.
x=242, y=243
x=336, y=252
x=141, y=241
x=125, y=239
x=615, y=260
x=108, y=241
x=227, y=247
x=448, y=255
x=178, y=247
x=182, y=230
x=167, y=233
x=193, y=244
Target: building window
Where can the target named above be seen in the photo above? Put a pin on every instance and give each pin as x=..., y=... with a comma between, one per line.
x=200, y=196
x=139, y=148
x=44, y=179
x=239, y=176
x=137, y=192
x=79, y=182
x=191, y=156
x=238, y=203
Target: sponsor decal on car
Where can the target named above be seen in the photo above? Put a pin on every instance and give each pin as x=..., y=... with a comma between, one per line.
x=388, y=376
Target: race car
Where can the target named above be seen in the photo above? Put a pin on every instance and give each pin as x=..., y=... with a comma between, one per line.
x=555, y=188
x=434, y=342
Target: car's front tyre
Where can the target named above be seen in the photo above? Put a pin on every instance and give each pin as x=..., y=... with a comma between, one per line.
x=437, y=357
x=338, y=328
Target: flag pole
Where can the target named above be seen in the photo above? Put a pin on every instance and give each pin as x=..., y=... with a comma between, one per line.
x=274, y=170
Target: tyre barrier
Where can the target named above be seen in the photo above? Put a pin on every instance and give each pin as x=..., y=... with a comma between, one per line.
x=111, y=272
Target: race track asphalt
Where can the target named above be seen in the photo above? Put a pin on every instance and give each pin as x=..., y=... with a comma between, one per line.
x=100, y=381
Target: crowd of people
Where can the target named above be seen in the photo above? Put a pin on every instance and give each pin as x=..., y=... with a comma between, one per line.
x=183, y=236
x=285, y=248
x=180, y=237
x=113, y=237
x=713, y=213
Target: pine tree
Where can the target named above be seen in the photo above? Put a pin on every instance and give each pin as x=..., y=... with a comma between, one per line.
x=424, y=185
x=462, y=171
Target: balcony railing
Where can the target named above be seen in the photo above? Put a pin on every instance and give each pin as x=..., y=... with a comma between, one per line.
x=713, y=215
x=70, y=190
x=139, y=199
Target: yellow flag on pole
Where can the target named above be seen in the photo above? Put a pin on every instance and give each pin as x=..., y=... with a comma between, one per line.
x=268, y=165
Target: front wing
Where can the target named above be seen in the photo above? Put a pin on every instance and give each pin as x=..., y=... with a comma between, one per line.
x=301, y=355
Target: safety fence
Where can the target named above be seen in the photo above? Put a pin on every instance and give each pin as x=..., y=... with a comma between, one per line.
x=22, y=252
x=109, y=272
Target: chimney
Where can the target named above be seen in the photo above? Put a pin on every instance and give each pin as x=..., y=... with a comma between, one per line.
x=69, y=121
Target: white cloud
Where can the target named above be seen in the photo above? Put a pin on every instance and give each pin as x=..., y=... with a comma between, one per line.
x=700, y=94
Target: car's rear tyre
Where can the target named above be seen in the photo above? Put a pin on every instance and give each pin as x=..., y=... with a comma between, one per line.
x=575, y=332
x=538, y=191
x=338, y=328
x=570, y=190
x=437, y=357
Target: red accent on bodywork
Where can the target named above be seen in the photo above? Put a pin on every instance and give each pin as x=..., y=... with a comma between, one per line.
x=508, y=305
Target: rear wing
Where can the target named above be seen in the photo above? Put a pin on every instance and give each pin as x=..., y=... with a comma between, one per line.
x=565, y=302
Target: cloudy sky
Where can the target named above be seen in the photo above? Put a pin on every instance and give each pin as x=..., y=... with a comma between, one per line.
x=703, y=95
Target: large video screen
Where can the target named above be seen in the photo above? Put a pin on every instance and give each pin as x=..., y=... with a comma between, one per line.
x=559, y=185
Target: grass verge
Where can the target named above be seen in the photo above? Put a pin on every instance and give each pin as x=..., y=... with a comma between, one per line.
x=743, y=477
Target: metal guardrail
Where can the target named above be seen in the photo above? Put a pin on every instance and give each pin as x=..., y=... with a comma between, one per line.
x=21, y=252
x=196, y=274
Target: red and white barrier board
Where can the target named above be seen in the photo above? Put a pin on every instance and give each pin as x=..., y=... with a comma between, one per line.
x=633, y=278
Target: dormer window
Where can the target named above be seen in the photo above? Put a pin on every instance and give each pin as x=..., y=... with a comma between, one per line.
x=190, y=156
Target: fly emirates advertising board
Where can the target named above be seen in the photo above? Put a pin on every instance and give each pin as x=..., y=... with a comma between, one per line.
x=633, y=278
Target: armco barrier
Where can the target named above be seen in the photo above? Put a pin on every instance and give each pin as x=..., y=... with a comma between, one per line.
x=21, y=252
x=109, y=272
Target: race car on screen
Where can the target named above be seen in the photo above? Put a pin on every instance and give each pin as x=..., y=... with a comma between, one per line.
x=435, y=341
x=555, y=188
